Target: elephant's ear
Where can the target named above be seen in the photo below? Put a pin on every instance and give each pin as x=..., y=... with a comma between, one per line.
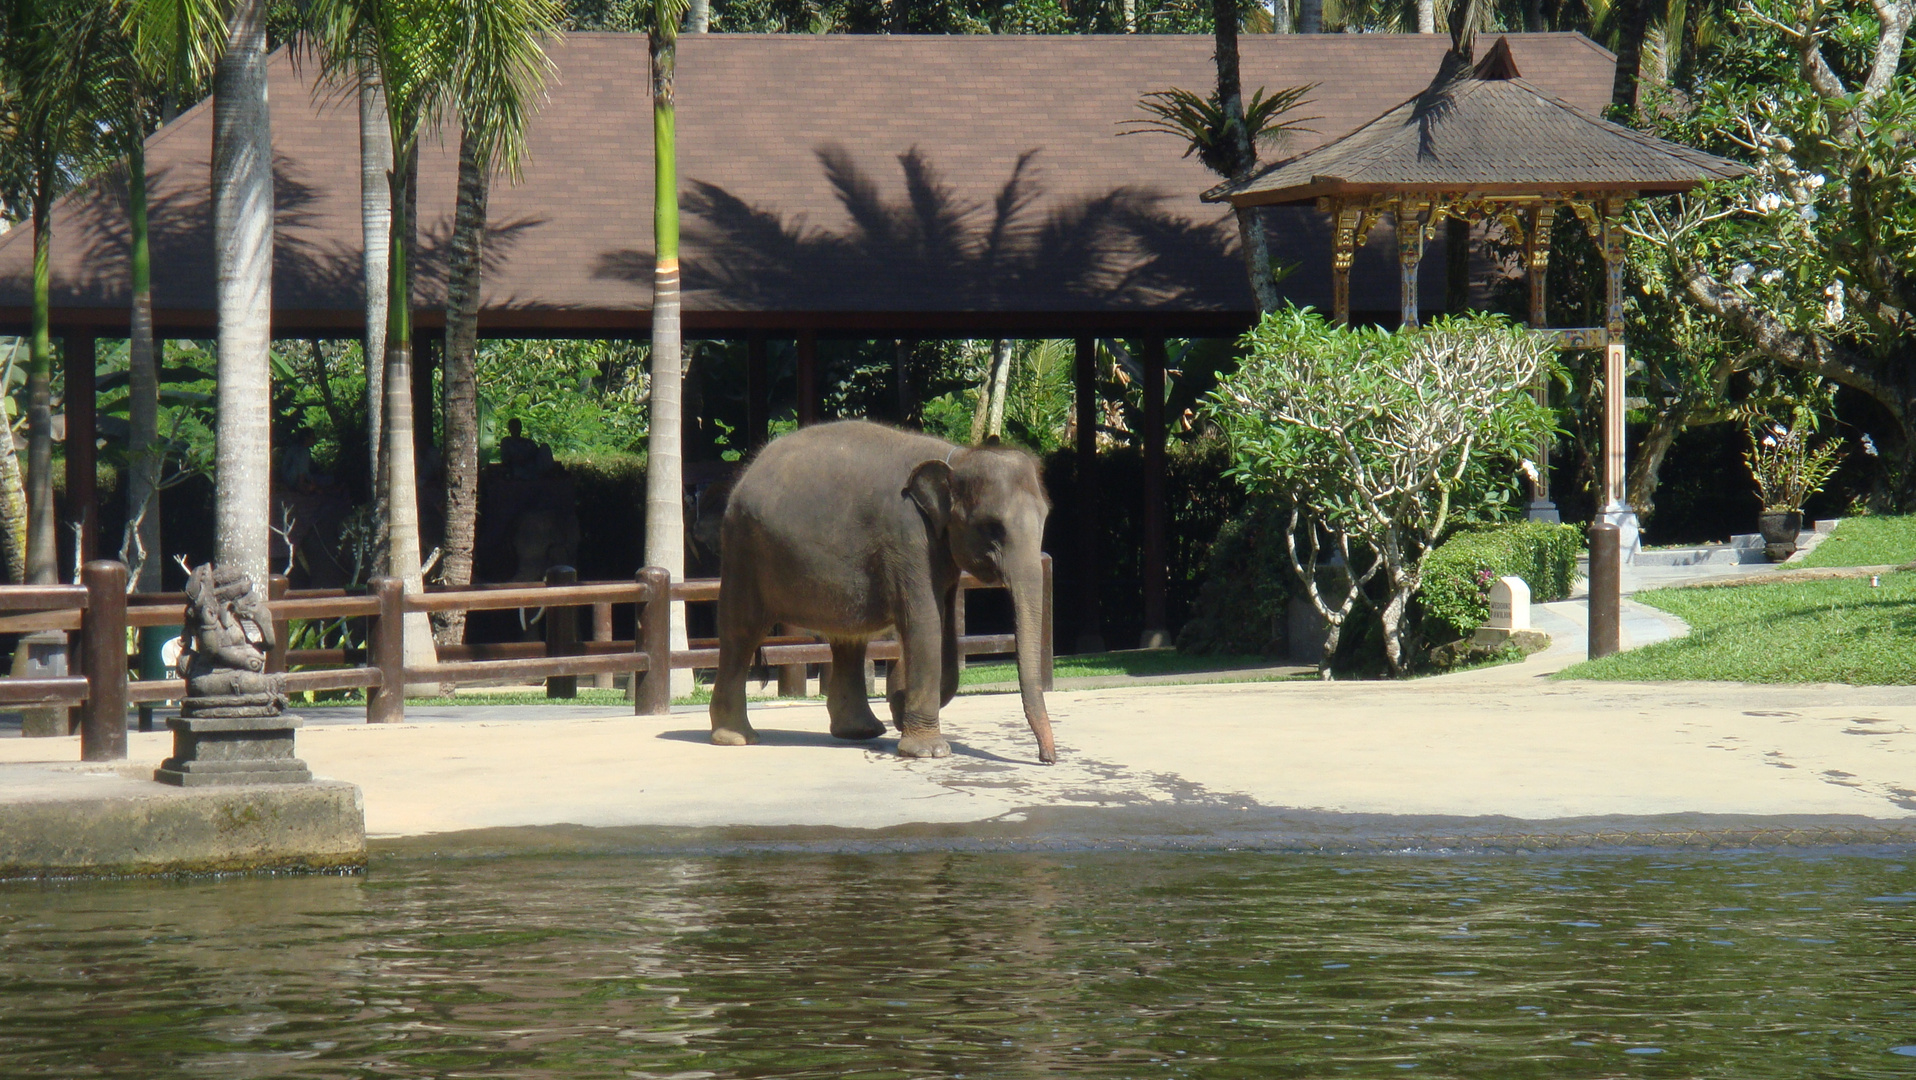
x=930, y=488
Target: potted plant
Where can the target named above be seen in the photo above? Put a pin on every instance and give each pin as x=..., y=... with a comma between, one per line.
x=1787, y=471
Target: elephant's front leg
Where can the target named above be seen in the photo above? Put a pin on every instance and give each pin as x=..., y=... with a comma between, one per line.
x=845, y=701
x=920, y=641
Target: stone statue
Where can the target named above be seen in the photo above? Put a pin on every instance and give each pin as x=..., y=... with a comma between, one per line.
x=232, y=727
x=227, y=634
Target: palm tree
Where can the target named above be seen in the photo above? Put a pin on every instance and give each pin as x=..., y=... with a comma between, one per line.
x=664, y=476
x=375, y=221
x=243, y=259
x=411, y=47
x=170, y=46
x=503, y=68
x=49, y=53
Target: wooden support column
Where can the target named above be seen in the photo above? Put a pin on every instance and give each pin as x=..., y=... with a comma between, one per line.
x=1615, y=249
x=758, y=391
x=807, y=377
x=1090, y=518
x=83, y=502
x=1411, y=218
x=1156, y=635
x=1344, y=220
x=1536, y=244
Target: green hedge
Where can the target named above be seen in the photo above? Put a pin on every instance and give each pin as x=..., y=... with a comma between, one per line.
x=1457, y=576
x=1240, y=606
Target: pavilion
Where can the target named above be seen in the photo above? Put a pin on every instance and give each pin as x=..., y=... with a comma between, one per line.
x=832, y=186
x=1488, y=145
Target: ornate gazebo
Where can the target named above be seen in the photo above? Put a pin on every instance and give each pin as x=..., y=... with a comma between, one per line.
x=1481, y=144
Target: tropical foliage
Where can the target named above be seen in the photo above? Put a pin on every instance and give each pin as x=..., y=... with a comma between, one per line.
x=1381, y=443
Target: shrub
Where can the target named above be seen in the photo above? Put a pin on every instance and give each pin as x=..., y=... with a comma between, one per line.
x=1247, y=583
x=1458, y=575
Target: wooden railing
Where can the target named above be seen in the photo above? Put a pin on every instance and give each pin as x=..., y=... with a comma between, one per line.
x=98, y=612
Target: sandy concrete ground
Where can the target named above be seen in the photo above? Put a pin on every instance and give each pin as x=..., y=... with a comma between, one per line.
x=1505, y=742
x=1502, y=750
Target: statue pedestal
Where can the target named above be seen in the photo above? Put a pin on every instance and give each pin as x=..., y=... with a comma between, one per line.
x=209, y=750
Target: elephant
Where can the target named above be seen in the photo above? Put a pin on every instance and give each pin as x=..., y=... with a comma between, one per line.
x=852, y=527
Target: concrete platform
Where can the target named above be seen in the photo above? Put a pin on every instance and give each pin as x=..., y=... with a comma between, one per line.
x=60, y=819
x=1494, y=757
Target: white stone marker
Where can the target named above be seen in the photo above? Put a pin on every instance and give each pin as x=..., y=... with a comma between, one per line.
x=1509, y=604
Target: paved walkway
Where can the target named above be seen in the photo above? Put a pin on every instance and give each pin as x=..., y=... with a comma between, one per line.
x=1493, y=757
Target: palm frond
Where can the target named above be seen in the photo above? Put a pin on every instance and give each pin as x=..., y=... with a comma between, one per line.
x=1201, y=123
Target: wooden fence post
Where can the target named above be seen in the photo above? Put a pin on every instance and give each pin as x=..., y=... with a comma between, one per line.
x=386, y=703
x=791, y=677
x=602, y=631
x=654, y=694
x=562, y=634
x=276, y=586
x=103, y=633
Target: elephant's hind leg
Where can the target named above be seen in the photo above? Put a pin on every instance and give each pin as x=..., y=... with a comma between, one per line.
x=742, y=626
x=845, y=700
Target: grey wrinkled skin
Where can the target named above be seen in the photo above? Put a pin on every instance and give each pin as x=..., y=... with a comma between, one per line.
x=846, y=529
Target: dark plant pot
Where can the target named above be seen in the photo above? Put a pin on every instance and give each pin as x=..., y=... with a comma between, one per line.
x=1779, y=533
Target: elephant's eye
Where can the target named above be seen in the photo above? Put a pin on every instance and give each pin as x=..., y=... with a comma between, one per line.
x=992, y=531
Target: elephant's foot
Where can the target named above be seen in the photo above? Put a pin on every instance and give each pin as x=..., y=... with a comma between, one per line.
x=924, y=744
x=734, y=736
x=857, y=724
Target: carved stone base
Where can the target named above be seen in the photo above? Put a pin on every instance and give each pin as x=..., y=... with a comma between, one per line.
x=210, y=750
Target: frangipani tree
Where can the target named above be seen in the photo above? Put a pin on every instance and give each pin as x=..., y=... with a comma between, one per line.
x=1379, y=442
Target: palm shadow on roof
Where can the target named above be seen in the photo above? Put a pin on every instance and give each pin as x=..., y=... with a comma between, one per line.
x=934, y=250
x=306, y=274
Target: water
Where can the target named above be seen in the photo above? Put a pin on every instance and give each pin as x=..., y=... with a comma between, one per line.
x=975, y=965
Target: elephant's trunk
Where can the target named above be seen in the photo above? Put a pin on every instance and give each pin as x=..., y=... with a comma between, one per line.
x=1025, y=578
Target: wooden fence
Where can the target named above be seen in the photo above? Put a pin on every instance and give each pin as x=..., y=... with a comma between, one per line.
x=97, y=613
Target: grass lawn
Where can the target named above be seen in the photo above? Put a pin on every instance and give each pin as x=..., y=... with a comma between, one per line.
x=1838, y=631
x=1867, y=541
x=1129, y=662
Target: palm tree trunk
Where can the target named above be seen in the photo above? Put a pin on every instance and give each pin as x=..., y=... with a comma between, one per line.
x=701, y=16
x=142, y=539
x=13, y=493
x=463, y=280
x=375, y=223
x=1000, y=382
x=1426, y=16
x=1230, y=94
x=1634, y=23
x=243, y=254
x=42, y=538
x=402, y=479
x=664, y=476
x=1310, y=17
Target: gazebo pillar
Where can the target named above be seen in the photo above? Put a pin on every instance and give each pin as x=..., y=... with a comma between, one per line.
x=79, y=350
x=1344, y=220
x=1156, y=635
x=807, y=377
x=1411, y=218
x=1536, y=245
x=1615, y=509
x=1090, y=574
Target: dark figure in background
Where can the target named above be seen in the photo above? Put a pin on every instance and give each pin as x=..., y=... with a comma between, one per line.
x=521, y=456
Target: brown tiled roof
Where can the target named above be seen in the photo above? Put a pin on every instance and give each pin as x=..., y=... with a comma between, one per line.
x=842, y=183
x=1489, y=132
